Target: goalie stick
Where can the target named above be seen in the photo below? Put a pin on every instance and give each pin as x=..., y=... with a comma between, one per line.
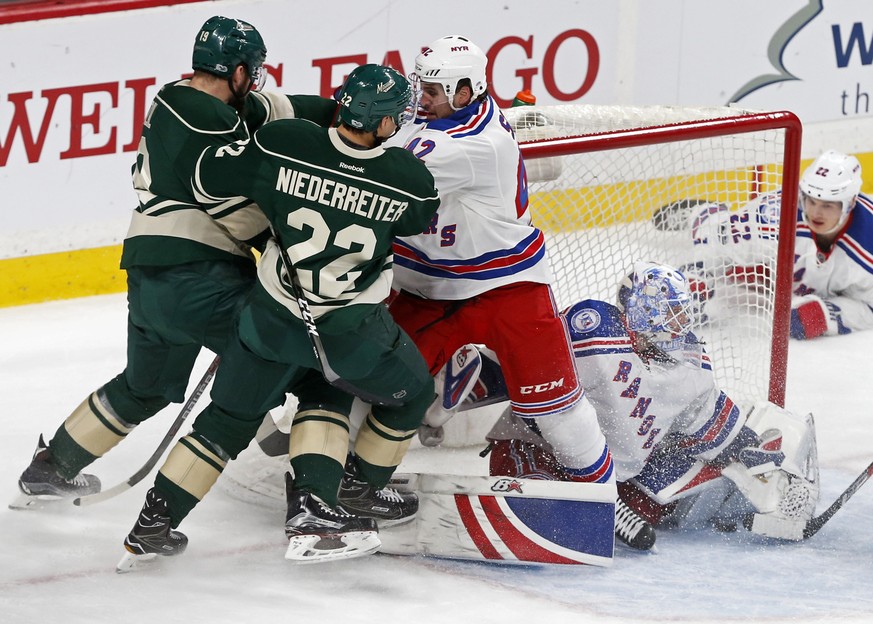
x=315, y=339
x=138, y=476
x=813, y=525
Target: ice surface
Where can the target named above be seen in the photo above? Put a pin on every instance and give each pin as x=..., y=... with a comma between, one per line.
x=58, y=565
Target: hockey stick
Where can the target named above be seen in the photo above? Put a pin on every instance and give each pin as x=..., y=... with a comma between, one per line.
x=138, y=476
x=814, y=524
x=315, y=340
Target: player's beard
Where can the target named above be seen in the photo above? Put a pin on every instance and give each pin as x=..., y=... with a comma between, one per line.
x=239, y=104
x=380, y=140
x=237, y=99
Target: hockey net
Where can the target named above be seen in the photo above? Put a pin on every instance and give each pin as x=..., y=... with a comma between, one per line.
x=599, y=175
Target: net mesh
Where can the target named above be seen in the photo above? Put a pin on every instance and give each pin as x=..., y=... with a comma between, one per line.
x=676, y=202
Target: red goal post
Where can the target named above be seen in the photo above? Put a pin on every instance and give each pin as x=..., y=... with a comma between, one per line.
x=597, y=176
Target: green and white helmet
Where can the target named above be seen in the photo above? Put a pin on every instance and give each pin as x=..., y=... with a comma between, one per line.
x=223, y=43
x=372, y=92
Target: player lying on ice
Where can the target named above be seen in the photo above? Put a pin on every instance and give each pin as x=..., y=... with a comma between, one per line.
x=683, y=452
x=833, y=257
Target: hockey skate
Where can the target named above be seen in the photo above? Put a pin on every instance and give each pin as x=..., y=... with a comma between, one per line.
x=387, y=506
x=317, y=532
x=41, y=485
x=151, y=535
x=631, y=529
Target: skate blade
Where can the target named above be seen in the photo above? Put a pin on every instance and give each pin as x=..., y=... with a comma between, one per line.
x=31, y=502
x=131, y=561
x=318, y=549
x=386, y=524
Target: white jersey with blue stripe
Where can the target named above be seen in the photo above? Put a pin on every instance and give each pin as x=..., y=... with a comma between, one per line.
x=844, y=275
x=641, y=400
x=481, y=236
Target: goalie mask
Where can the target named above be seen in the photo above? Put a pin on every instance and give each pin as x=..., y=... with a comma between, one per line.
x=833, y=177
x=223, y=43
x=372, y=92
x=449, y=60
x=656, y=301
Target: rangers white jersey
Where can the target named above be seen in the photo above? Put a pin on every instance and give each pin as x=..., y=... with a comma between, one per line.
x=481, y=237
x=640, y=400
x=843, y=276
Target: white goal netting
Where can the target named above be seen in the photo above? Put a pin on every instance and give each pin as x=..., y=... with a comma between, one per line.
x=599, y=199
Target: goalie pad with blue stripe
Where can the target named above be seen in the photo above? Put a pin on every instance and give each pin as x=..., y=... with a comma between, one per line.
x=506, y=520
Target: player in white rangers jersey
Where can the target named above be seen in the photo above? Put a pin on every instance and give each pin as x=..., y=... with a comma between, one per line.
x=833, y=254
x=479, y=273
x=833, y=265
x=670, y=428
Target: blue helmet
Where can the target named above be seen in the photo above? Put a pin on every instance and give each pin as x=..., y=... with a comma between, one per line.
x=656, y=299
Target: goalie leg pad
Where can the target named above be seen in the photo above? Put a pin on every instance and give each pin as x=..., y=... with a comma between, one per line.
x=507, y=520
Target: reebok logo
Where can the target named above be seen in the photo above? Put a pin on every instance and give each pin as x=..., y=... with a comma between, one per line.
x=354, y=168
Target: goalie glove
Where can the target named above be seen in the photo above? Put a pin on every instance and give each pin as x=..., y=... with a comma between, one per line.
x=812, y=316
x=765, y=456
x=758, y=453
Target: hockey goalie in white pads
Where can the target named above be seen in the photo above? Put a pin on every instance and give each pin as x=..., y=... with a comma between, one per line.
x=671, y=430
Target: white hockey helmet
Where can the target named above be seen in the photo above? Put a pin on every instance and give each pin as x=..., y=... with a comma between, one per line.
x=833, y=177
x=451, y=59
x=656, y=300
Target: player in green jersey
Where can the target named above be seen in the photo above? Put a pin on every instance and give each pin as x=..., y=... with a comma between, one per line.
x=188, y=268
x=335, y=199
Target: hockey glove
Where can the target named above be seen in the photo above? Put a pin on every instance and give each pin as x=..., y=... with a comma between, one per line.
x=759, y=454
x=765, y=456
x=811, y=317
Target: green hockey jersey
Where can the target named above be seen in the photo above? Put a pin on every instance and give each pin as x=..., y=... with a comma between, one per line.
x=168, y=226
x=334, y=208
